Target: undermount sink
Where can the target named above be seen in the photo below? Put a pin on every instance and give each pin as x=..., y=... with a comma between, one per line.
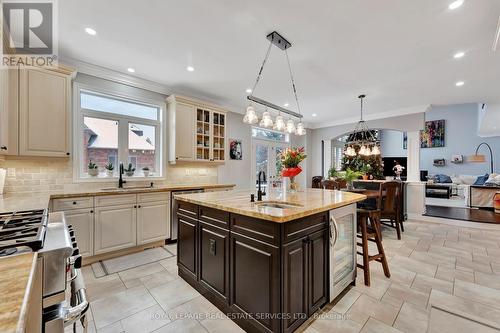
x=278, y=204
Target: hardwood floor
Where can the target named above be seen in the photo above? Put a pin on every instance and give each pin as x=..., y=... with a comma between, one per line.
x=465, y=214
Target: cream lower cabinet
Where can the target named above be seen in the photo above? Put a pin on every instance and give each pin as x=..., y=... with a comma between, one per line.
x=152, y=221
x=115, y=228
x=82, y=221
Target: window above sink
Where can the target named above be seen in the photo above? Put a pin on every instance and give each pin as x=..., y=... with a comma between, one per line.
x=111, y=128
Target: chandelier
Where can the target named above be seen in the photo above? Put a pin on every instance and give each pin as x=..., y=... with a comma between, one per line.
x=279, y=124
x=362, y=141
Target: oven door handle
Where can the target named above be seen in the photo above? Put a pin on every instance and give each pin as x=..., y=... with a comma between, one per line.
x=79, y=301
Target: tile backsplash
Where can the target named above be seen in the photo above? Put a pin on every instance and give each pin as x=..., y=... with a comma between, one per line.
x=56, y=174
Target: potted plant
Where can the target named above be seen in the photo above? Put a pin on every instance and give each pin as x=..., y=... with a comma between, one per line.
x=129, y=171
x=365, y=169
x=145, y=171
x=332, y=173
x=290, y=159
x=349, y=175
x=93, y=170
x=109, y=169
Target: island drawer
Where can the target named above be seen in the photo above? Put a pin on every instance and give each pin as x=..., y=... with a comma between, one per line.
x=187, y=209
x=305, y=226
x=261, y=230
x=214, y=217
x=72, y=203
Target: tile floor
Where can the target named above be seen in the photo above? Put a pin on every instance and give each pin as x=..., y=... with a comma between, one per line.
x=439, y=272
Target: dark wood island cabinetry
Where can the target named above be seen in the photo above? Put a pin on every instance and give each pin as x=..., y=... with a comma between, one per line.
x=266, y=275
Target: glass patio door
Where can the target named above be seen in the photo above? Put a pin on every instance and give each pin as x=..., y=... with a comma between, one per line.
x=265, y=156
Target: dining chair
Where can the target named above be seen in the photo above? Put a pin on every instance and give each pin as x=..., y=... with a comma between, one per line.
x=330, y=185
x=390, y=206
x=316, y=181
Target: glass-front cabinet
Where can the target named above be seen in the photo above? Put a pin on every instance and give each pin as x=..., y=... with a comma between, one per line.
x=210, y=135
x=197, y=131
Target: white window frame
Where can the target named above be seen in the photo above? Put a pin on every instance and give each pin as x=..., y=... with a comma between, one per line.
x=78, y=115
x=270, y=144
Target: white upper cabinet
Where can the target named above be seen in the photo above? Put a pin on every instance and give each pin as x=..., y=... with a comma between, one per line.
x=44, y=112
x=35, y=114
x=9, y=115
x=197, y=131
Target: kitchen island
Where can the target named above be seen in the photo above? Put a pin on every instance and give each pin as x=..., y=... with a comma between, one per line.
x=266, y=264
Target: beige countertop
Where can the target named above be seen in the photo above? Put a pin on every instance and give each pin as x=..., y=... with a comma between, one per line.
x=15, y=285
x=28, y=201
x=309, y=201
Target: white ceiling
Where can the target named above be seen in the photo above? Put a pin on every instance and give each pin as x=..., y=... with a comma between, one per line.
x=398, y=52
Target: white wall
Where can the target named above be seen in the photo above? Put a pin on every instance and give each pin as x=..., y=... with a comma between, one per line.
x=234, y=171
x=391, y=144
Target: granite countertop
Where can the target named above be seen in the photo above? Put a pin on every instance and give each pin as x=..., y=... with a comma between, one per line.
x=15, y=286
x=30, y=201
x=309, y=201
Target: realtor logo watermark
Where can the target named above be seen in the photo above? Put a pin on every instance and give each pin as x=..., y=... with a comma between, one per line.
x=29, y=33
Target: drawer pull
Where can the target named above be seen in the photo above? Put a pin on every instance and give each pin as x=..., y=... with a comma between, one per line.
x=74, y=202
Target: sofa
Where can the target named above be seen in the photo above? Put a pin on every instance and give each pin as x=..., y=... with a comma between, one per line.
x=476, y=190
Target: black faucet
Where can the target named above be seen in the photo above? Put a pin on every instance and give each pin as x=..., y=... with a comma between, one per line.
x=260, y=193
x=120, y=180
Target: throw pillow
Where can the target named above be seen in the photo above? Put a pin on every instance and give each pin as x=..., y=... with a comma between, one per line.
x=443, y=179
x=481, y=180
x=468, y=179
x=493, y=181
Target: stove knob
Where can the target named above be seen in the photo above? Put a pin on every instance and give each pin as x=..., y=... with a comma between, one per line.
x=76, y=252
x=74, y=244
x=71, y=232
x=73, y=239
x=78, y=262
x=70, y=226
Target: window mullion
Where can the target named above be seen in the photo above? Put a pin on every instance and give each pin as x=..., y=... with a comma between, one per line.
x=123, y=142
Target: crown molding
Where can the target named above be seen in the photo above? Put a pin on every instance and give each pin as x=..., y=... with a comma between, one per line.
x=115, y=76
x=373, y=116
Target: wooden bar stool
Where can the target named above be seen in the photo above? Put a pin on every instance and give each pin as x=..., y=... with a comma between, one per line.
x=390, y=206
x=369, y=230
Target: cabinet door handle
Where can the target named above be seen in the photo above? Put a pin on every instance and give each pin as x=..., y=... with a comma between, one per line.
x=135, y=206
x=74, y=202
x=139, y=206
x=67, y=153
x=334, y=231
x=91, y=211
x=3, y=147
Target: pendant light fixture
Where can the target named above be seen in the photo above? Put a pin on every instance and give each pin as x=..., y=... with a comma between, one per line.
x=362, y=140
x=279, y=124
x=267, y=121
x=250, y=116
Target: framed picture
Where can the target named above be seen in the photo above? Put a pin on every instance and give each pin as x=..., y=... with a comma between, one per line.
x=405, y=140
x=235, y=149
x=433, y=134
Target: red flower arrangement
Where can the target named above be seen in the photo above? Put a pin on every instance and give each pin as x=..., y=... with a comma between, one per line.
x=290, y=159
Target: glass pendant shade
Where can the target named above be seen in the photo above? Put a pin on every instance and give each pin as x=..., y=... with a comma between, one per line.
x=300, y=130
x=250, y=116
x=279, y=124
x=290, y=126
x=266, y=121
x=376, y=150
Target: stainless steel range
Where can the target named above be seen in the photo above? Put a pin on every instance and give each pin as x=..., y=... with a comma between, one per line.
x=63, y=292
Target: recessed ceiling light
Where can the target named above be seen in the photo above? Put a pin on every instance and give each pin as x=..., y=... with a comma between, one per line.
x=460, y=83
x=458, y=55
x=131, y=70
x=249, y=91
x=314, y=114
x=190, y=68
x=456, y=4
x=90, y=31
x=286, y=104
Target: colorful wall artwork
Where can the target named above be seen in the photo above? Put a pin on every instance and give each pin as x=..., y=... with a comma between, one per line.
x=433, y=135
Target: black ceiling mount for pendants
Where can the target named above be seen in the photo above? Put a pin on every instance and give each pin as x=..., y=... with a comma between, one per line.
x=282, y=43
